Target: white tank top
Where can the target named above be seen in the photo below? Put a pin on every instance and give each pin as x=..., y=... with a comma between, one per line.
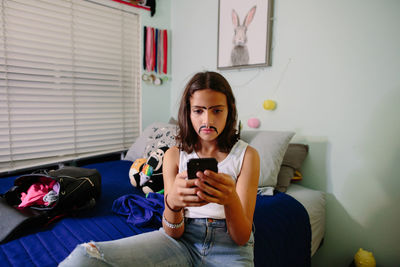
x=231, y=165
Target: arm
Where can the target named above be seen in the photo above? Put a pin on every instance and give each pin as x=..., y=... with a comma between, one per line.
x=170, y=171
x=181, y=192
x=239, y=215
x=239, y=199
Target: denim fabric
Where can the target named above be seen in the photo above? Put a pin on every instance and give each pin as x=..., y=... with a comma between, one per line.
x=205, y=242
x=209, y=244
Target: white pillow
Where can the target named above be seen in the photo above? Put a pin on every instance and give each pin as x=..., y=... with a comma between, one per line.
x=154, y=136
x=271, y=146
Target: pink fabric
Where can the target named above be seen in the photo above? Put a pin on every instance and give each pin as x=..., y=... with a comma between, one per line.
x=159, y=51
x=149, y=49
x=153, y=45
x=162, y=51
x=36, y=192
x=165, y=47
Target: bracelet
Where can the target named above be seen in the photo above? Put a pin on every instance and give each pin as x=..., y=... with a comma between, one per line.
x=166, y=202
x=172, y=225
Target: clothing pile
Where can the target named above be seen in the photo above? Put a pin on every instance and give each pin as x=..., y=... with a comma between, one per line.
x=42, y=193
x=40, y=198
x=141, y=211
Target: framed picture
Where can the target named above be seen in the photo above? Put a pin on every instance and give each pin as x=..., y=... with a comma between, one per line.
x=244, y=33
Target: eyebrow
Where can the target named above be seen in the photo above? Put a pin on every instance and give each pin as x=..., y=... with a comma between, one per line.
x=203, y=107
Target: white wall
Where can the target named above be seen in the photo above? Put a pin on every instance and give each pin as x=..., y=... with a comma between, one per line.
x=336, y=78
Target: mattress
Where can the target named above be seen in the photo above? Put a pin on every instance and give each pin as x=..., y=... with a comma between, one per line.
x=314, y=202
x=281, y=223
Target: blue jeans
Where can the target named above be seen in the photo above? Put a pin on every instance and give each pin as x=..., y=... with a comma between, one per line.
x=205, y=242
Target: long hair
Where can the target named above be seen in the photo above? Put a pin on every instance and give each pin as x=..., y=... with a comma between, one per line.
x=187, y=137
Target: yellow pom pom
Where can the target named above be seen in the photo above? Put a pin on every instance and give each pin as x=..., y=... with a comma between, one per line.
x=269, y=104
x=364, y=258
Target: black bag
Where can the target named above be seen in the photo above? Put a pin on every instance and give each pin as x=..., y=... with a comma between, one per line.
x=79, y=190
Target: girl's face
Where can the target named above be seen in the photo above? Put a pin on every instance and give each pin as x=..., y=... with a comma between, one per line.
x=208, y=113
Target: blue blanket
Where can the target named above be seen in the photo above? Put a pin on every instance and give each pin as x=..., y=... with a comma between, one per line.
x=282, y=232
x=282, y=228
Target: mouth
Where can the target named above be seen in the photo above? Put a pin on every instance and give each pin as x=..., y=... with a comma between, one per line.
x=208, y=130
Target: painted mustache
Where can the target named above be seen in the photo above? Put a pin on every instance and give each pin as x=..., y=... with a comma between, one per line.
x=211, y=127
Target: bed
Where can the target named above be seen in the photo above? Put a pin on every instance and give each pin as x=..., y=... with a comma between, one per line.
x=288, y=226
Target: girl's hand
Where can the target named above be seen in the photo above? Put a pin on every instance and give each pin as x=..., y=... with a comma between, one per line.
x=215, y=187
x=184, y=193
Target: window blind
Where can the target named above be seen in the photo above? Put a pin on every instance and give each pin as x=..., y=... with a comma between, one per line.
x=69, y=80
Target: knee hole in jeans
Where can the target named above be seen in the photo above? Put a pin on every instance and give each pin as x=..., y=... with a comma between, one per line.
x=92, y=250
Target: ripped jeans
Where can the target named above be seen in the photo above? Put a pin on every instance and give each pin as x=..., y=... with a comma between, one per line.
x=205, y=242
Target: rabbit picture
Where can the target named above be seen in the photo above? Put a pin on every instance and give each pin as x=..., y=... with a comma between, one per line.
x=240, y=52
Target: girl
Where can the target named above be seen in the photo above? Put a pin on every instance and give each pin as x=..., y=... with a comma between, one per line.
x=208, y=220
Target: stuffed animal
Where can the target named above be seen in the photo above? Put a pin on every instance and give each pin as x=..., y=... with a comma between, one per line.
x=146, y=174
x=134, y=171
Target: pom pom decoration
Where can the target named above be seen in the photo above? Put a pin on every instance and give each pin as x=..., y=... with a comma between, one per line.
x=253, y=123
x=269, y=104
x=364, y=258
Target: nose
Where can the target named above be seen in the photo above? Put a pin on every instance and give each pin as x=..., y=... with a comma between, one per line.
x=208, y=118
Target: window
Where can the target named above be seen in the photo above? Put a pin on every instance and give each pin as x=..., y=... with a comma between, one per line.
x=69, y=80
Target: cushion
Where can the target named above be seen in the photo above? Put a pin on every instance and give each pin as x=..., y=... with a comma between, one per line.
x=172, y=120
x=156, y=135
x=271, y=146
x=292, y=161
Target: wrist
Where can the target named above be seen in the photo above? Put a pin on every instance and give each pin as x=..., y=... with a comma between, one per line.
x=170, y=205
x=233, y=200
x=173, y=225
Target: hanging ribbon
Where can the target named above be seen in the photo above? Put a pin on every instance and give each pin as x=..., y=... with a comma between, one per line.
x=155, y=50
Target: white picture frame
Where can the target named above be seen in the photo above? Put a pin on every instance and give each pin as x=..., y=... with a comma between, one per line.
x=244, y=33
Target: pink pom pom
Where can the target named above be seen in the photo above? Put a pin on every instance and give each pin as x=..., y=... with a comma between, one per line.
x=253, y=123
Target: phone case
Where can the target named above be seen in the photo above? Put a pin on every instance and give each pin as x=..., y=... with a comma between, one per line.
x=195, y=165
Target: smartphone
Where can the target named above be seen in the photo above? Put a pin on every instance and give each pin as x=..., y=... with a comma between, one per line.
x=195, y=165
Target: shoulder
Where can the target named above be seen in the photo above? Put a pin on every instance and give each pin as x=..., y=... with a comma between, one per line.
x=241, y=145
x=251, y=150
x=251, y=156
x=251, y=159
x=250, y=168
x=171, y=160
x=172, y=153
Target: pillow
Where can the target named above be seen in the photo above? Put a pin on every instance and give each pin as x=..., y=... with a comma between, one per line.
x=172, y=120
x=292, y=161
x=154, y=136
x=271, y=146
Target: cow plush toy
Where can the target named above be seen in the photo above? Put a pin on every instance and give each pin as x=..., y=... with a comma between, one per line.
x=146, y=174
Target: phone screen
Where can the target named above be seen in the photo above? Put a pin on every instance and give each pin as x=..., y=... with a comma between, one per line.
x=195, y=165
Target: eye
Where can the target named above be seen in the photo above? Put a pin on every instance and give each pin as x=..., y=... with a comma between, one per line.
x=197, y=111
x=217, y=111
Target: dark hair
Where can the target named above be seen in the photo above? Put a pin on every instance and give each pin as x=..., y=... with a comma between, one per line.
x=187, y=137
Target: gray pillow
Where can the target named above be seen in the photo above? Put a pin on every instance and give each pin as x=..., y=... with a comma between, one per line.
x=160, y=136
x=271, y=147
x=172, y=120
x=292, y=161
x=156, y=135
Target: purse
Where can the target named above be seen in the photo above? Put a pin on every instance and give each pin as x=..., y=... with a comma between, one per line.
x=79, y=189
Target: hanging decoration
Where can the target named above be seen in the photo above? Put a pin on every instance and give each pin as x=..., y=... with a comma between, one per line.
x=269, y=104
x=155, y=54
x=145, y=4
x=253, y=122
